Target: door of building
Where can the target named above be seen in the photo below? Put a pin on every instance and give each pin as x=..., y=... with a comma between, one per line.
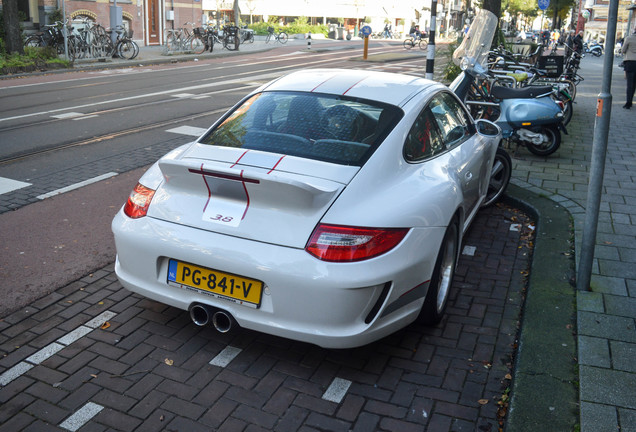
x=153, y=22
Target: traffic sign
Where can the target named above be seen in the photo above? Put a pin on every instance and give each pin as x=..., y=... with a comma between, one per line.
x=366, y=30
x=543, y=4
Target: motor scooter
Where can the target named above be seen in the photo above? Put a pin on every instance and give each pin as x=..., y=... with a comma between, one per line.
x=593, y=48
x=529, y=115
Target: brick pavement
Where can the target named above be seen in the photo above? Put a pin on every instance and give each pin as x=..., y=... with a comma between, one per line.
x=145, y=366
x=606, y=313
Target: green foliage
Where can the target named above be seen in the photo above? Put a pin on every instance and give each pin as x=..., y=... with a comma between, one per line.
x=55, y=15
x=297, y=27
x=33, y=56
x=451, y=70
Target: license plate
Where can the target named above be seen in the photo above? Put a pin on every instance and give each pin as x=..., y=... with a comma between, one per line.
x=219, y=284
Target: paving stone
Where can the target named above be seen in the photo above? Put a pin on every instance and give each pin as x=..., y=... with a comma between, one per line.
x=607, y=386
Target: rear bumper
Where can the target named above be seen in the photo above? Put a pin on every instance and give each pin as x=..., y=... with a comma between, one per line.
x=303, y=298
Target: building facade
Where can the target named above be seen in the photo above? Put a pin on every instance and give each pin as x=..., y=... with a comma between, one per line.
x=149, y=19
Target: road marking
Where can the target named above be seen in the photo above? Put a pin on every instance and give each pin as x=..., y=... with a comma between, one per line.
x=188, y=130
x=67, y=115
x=14, y=373
x=77, y=185
x=8, y=185
x=226, y=356
x=81, y=417
x=469, y=250
x=239, y=78
x=337, y=390
x=54, y=347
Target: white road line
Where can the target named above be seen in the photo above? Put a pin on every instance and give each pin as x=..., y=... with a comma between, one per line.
x=81, y=417
x=77, y=185
x=45, y=353
x=13, y=373
x=226, y=356
x=52, y=348
x=67, y=115
x=266, y=74
x=337, y=390
x=469, y=250
x=8, y=185
x=188, y=130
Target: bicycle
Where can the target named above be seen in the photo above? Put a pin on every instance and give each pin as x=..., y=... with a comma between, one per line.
x=124, y=47
x=418, y=40
x=279, y=37
x=246, y=35
x=53, y=36
x=178, y=39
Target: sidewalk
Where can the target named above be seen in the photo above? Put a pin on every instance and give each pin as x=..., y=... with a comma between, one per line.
x=606, y=336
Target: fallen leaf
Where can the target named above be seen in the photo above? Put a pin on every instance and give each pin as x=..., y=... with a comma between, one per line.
x=105, y=325
x=483, y=401
x=508, y=377
x=169, y=362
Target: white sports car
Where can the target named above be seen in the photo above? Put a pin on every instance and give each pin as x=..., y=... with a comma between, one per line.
x=327, y=206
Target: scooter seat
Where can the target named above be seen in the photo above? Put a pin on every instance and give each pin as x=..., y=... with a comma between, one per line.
x=520, y=93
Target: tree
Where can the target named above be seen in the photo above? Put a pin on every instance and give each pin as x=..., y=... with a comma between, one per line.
x=12, y=33
x=559, y=10
x=493, y=6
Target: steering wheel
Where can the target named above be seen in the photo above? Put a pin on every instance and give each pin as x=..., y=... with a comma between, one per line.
x=341, y=122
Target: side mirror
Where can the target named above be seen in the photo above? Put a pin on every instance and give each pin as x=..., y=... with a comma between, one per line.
x=487, y=128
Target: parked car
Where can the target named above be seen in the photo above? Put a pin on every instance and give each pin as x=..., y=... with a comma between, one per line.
x=328, y=206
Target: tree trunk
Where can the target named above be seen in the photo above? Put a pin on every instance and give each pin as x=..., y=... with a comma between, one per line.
x=12, y=36
x=493, y=6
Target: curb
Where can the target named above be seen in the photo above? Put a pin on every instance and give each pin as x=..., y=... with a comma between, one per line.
x=545, y=383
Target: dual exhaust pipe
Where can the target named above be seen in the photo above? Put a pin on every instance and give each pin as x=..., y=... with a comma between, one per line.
x=202, y=315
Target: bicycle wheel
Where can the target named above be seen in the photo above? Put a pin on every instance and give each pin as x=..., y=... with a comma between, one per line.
x=34, y=41
x=172, y=44
x=71, y=47
x=423, y=43
x=126, y=49
x=268, y=38
x=409, y=43
x=249, y=38
x=282, y=37
x=197, y=46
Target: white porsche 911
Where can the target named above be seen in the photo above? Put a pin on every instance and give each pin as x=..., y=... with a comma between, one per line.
x=327, y=206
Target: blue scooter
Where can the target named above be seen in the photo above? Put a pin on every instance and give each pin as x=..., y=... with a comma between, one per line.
x=528, y=116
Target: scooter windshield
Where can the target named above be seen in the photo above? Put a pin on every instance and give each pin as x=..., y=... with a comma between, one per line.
x=473, y=51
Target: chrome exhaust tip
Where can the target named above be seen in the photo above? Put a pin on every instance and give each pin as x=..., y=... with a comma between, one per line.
x=200, y=314
x=222, y=321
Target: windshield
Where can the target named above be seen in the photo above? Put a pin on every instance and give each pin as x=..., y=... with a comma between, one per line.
x=474, y=48
x=315, y=126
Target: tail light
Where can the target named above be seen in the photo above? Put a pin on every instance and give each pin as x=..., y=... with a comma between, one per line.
x=138, y=201
x=347, y=244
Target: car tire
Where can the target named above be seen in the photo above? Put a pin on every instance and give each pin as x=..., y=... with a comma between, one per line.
x=499, y=177
x=439, y=288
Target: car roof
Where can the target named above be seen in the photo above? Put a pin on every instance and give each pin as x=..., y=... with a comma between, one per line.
x=391, y=88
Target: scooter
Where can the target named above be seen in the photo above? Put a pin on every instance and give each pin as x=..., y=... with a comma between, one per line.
x=593, y=48
x=528, y=116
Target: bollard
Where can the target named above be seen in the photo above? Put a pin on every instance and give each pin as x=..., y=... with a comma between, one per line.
x=309, y=41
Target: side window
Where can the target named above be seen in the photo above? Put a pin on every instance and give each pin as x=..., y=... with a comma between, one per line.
x=423, y=140
x=451, y=118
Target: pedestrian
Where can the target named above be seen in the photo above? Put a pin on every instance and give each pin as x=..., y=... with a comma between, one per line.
x=578, y=42
x=569, y=43
x=629, y=63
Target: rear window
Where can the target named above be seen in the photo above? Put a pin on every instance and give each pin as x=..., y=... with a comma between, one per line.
x=314, y=126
